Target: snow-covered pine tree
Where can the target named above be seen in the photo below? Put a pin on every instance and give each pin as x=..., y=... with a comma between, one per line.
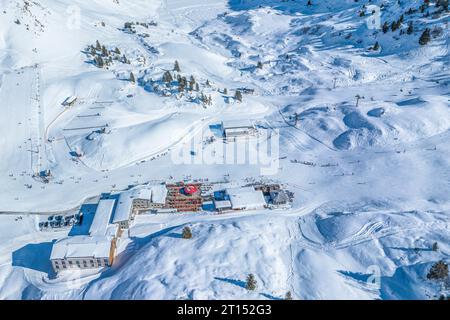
x=251, y=282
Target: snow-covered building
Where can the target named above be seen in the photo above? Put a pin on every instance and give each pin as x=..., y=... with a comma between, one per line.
x=135, y=201
x=95, y=250
x=246, y=198
x=101, y=225
x=124, y=214
x=82, y=252
x=159, y=195
x=236, y=129
x=70, y=101
x=222, y=205
x=184, y=197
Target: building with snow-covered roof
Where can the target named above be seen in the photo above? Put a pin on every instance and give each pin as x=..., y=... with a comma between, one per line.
x=70, y=101
x=246, y=198
x=95, y=250
x=235, y=129
x=222, y=205
x=82, y=252
x=138, y=200
x=124, y=210
x=102, y=218
x=159, y=195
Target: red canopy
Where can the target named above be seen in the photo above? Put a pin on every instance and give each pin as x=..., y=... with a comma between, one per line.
x=190, y=189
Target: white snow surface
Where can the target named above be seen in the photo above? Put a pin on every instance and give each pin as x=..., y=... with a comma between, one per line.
x=371, y=183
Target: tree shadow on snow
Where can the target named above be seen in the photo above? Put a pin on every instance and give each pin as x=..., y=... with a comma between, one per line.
x=358, y=276
x=235, y=282
x=174, y=235
x=271, y=297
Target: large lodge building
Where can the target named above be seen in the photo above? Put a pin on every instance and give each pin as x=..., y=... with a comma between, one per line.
x=116, y=213
x=112, y=216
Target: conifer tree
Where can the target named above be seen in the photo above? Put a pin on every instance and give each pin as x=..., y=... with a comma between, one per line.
x=99, y=62
x=251, y=282
x=176, y=67
x=132, y=78
x=435, y=246
x=376, y=46
x=288, y=296
x=167, y=77
x=438, y=271
x=104, y=51
x=425, y=37
x=191, y=83
x=410, y=29
x=187, y=233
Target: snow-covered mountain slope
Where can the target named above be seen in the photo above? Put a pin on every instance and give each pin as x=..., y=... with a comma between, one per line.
x=371, y=175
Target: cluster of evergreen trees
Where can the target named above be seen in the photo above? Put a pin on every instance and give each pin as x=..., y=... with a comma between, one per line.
x=425, y=38
x=175, y=79
x=104, y=57
x=130, y=26
x=184, y=84
x=394, y=25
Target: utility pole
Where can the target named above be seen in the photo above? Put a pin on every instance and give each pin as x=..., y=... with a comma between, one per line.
x=296, y=118
x=358, y=97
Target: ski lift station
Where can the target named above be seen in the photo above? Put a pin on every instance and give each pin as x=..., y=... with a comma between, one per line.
x=238, y=129
x=70, y=101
